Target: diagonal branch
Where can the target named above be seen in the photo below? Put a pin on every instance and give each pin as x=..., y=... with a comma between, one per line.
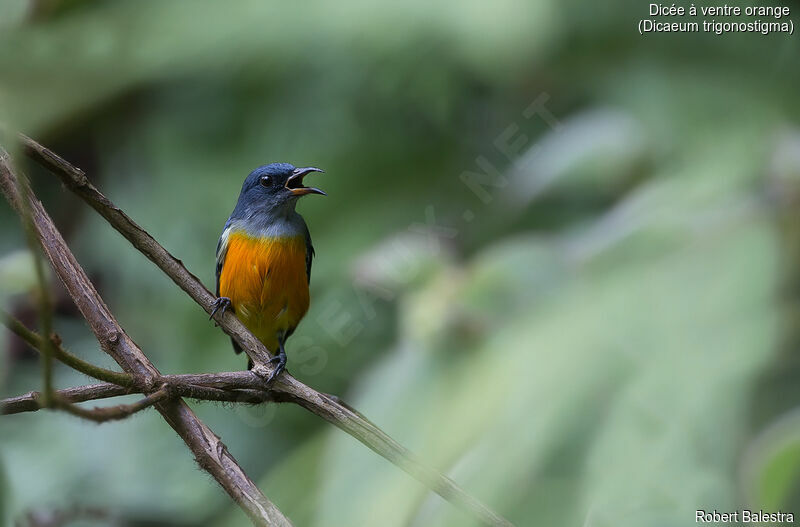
x=43, y=300
x=209, y=451
x=286, y=388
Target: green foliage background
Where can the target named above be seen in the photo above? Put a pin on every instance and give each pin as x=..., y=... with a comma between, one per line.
x=607, y=339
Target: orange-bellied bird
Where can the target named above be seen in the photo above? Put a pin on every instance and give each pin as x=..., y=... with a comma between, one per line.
x=264, y=258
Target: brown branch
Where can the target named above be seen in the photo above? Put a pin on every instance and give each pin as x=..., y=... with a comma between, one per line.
x=233, y=387
x=286, y=388
x=113, y=413
x=31, y=401
x=210, y=453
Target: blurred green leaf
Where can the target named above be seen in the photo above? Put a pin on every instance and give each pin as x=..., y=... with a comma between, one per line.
x=771, y=466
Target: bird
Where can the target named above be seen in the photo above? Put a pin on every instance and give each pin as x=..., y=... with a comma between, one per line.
x=264, y=258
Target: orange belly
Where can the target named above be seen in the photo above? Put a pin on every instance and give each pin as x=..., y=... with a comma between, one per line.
x=267, y=282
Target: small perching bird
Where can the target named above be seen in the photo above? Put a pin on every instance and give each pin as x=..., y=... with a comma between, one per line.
x=264, y=258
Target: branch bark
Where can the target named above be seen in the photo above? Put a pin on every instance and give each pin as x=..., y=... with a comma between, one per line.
x=285, y=388
x=113, y=413
x=233, y=387
x=31, y=401
x=210, y=453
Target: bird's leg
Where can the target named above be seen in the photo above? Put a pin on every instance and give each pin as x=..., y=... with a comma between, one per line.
x=279, y=360
x=222, y=303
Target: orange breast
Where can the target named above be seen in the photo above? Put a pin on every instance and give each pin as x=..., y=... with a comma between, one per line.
x=267, y=282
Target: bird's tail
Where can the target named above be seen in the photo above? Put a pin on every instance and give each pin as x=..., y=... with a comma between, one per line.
x=238, y=349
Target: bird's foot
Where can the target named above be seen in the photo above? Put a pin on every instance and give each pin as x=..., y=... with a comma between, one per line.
x=221, y=303
x=280, y=365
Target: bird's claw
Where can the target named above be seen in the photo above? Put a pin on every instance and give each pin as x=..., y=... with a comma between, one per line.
x=280, y=362
x=222, y=303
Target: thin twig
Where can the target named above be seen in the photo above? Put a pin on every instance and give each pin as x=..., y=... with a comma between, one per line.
x=113, y=413
x=286, y=387
x=36, y=342
x=210, y=453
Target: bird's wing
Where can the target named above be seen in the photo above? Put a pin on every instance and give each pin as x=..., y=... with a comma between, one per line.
x=309, y=255
x=222, y=250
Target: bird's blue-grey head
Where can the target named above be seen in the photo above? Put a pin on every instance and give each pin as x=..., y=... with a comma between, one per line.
x=272, y=190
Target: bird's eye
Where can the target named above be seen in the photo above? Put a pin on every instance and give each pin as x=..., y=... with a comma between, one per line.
x=265, y=181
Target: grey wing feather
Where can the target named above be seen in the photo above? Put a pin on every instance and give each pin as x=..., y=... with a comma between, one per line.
x=220, y=261
x=222, y=250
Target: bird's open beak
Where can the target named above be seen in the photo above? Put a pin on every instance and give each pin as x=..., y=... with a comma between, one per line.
x=295, y=182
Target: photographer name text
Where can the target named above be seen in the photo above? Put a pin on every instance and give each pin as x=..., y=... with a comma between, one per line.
x=743, y=516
